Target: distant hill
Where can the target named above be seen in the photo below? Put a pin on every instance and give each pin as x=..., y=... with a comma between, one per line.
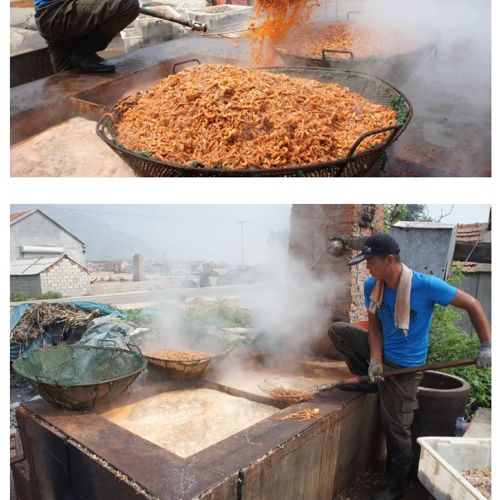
x=102, y=241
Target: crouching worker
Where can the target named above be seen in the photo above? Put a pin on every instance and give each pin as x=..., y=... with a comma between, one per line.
x=76, y=30
x=400, y=303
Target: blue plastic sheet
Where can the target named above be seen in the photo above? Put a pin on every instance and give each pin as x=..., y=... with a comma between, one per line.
x=107, y=331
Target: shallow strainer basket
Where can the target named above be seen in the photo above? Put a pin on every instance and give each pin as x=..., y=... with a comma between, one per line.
x=79, y=376
x=395, y=68
x=273, y=390
x=176, y=368
x=355, y=163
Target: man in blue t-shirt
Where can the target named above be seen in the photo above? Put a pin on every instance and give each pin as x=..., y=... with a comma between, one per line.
x=76, y=30
x=400, y=303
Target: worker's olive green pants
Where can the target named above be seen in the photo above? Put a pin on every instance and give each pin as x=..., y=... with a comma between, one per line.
x=398, y=395
x=85, y=26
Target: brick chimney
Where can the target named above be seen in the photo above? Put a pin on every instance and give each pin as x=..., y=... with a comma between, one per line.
x=310, y=228
x=139, y=274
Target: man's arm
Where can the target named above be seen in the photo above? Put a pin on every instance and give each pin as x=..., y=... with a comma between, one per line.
x=375, y=341
x=375, y=337
x=481, y=324
x=476, y=314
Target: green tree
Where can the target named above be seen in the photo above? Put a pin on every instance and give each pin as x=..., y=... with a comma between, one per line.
x=395, y=213
x=449, y=342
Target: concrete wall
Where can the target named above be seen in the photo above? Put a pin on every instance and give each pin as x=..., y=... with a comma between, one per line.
x=67, y=278
x=310, y=227
x=37, y=229
x=319, y=463
x=25, y=284
x=308, y=460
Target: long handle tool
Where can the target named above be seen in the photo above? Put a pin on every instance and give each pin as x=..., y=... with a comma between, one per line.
x=194, y=25
x=400, y=371
x=292, y=396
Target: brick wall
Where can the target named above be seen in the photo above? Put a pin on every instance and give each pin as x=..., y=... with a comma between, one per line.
x=25, y=284
x=310, y=227
x=67, y=278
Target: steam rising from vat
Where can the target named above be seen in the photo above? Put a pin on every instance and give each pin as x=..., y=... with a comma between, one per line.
x=451, y=89
x=288, y=308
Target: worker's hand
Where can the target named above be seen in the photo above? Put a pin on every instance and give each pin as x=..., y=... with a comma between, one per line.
x=375, y=371
x=483, y=359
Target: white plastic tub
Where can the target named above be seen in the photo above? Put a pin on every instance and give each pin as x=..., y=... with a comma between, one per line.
x=146, y=30
x=233, y=17
x=132, y=39
x=443, y=459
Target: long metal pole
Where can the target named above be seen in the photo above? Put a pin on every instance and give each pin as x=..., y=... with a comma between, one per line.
x=241, y=222
x=401, y=371
x=194, y=25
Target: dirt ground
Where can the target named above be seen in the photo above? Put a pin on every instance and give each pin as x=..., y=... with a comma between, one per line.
x=119, y=283
x=20, y=392
x=371, y=483
x=70, y=149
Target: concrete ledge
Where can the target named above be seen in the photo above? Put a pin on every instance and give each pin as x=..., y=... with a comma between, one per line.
x=480, y=426
x=43, y=103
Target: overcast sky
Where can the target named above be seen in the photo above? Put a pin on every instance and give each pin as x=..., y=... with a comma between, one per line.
x=213, y=232
x=190, y=232
x=460, y=214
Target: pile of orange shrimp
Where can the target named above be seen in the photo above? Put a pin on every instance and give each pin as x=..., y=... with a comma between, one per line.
x=289, y=395
x=218, y=116
x=175, y=355
x=306, y=414
x=364, y=42
x=271, y=24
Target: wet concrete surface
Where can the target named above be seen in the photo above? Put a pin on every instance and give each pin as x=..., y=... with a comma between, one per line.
x=69, y=149
x=450, y=134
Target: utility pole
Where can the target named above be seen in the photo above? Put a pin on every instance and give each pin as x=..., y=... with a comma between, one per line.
x=241, y=222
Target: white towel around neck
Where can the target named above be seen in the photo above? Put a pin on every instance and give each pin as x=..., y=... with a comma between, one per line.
x=402, y=305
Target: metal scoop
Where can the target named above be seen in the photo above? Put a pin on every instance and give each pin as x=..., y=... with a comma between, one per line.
x=306, y=394
x=273, y=390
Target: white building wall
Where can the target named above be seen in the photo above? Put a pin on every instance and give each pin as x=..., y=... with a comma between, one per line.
x=38, y=230
x=66, y=278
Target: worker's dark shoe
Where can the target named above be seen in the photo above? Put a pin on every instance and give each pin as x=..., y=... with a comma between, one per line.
x=92, y=63
x=359, y=387
x=392, y=492
x=397, y=485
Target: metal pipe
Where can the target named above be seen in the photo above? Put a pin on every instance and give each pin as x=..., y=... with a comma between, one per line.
x=337, y=245
x=194, y=25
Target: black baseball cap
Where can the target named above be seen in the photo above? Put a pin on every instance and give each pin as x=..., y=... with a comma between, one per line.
x=378, y=244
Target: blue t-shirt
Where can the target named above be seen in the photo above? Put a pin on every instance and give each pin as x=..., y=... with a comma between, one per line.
x=426, y=291
x=42, y=2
